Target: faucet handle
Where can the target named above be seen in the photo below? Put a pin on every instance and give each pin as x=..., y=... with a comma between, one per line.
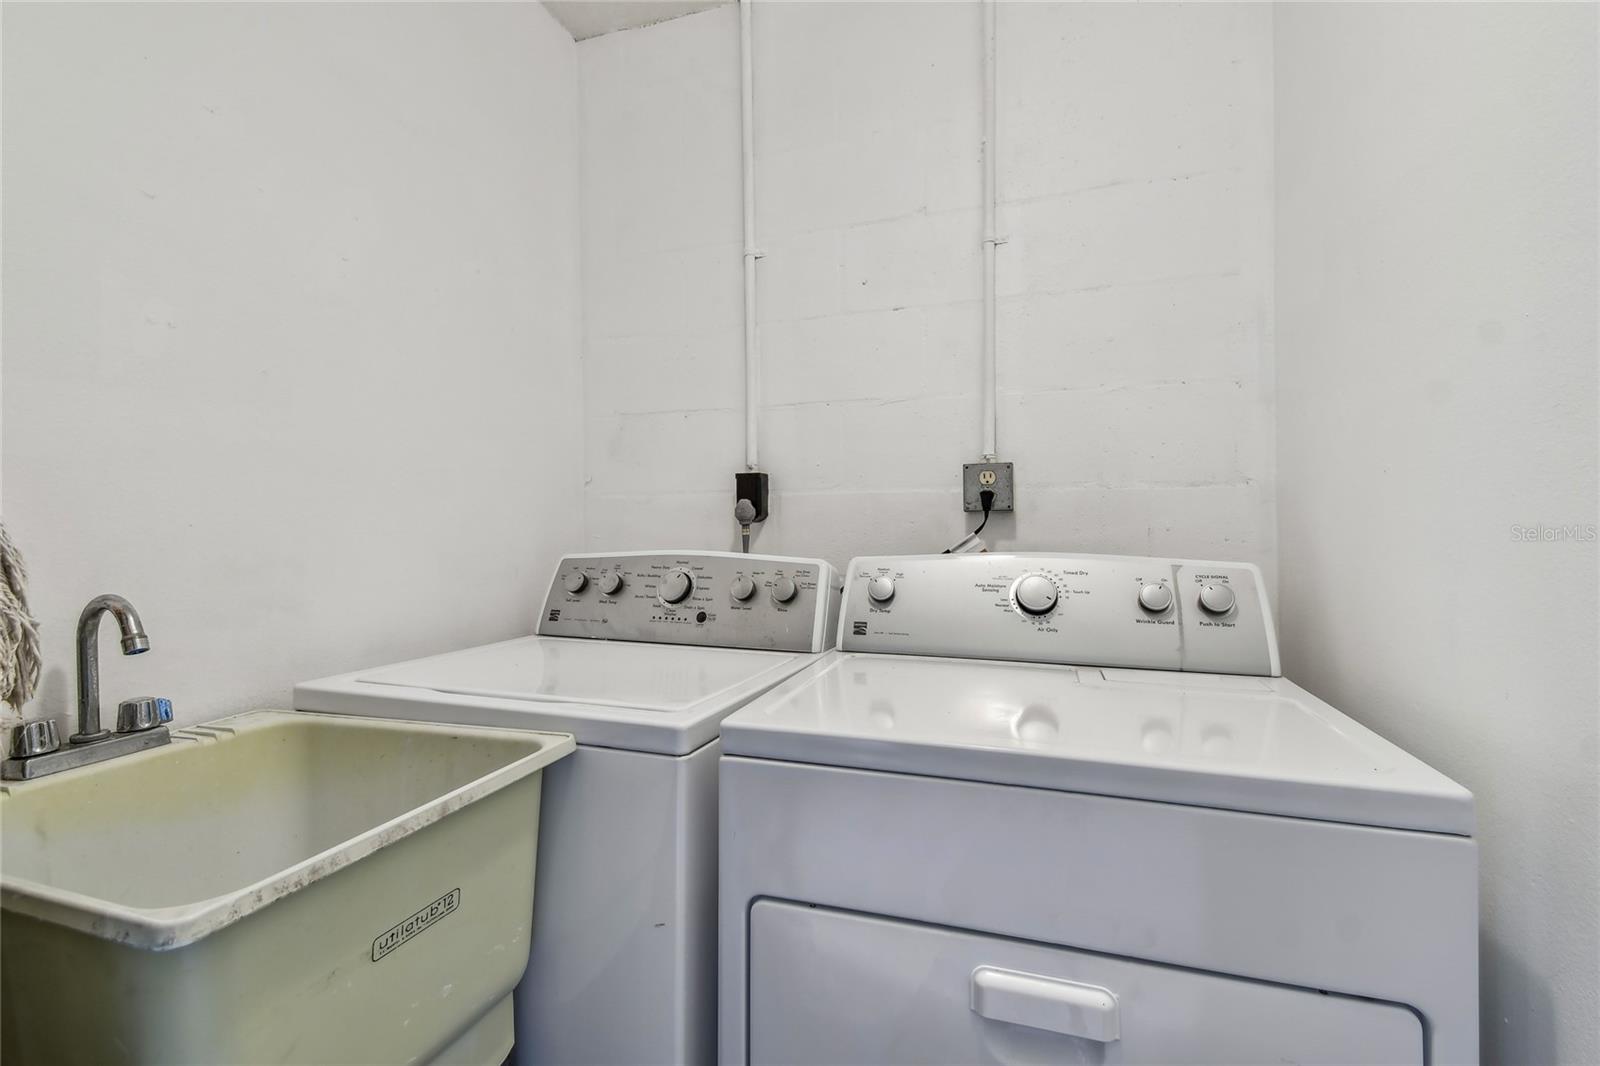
x=143, y=712
x=38, y=737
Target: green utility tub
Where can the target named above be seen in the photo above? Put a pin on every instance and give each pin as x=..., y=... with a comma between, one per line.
x=273, y=887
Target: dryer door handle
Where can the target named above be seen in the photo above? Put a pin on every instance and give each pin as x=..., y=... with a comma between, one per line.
x=1067, y=1007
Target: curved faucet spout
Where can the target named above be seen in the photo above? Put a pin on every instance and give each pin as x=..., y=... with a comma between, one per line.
x=134, y=641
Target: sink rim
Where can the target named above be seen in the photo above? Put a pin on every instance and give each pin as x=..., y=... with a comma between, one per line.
x=167, y=928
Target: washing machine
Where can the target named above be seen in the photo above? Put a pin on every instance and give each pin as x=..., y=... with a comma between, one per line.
x=1064, y=808
x=640, y=656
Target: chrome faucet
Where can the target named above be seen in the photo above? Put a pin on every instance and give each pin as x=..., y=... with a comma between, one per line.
x=35, y=748
x=134, y=641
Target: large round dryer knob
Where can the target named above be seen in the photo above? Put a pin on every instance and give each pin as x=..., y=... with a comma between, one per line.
x=880, y=589
x=784, y=590
x=676, y=586
x=611, y=583
x=1155, y=597
x=1216, y=598
x=742, y=588
x=1037, y=594
x=575, y=582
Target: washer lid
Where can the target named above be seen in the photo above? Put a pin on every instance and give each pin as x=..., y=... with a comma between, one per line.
x=1255, y=744
x=644, y=697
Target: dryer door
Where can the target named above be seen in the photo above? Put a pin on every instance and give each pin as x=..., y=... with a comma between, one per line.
x=840, y=988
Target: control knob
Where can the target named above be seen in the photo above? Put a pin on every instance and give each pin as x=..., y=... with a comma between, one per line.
x=37, y=736
x=575, y=582
x=1037, y=594
x=742, y=588
x=146, y=712
x=880, y=589
x=1155, y=597
x=784, y=590
x=611, y=583
x=676, y=586
x=1216, y=598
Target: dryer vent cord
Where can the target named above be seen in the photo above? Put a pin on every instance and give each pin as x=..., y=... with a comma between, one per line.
x=19, y=633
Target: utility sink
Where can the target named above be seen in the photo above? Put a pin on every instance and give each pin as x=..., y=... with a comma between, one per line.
x=274, y=887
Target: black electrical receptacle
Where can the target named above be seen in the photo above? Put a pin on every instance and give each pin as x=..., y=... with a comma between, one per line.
x=752, y=486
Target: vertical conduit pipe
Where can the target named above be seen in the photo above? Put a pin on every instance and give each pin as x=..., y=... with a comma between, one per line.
x=990, y=237
x=752, y=350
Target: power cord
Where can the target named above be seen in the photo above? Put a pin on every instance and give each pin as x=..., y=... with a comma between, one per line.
x=744, y=513
x=986, y=499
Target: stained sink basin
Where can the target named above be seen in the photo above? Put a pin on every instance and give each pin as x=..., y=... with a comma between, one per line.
x=273, y=887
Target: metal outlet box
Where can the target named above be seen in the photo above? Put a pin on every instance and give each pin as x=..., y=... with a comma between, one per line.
x=975, y=477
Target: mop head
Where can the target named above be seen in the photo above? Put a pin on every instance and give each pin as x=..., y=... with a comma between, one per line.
x=19, y=633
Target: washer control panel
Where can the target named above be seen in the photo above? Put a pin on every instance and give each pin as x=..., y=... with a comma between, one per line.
x=1086, y=610
x=710, y=599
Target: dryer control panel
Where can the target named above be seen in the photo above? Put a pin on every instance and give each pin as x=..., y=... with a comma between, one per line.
x=1085, y=610
x=709, y=599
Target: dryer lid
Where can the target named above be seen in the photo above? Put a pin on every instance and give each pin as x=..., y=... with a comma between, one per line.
x=1262, y=745
x=644, y=697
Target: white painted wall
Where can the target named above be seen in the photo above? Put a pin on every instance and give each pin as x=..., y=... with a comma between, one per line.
x=1437, y=388
x=290, y=332
x=1135, y=314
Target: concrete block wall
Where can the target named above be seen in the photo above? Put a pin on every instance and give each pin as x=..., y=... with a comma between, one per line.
x=1135, y=287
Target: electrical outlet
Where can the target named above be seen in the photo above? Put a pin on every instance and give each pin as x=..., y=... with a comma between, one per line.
x=976, y=477
x=748, y=485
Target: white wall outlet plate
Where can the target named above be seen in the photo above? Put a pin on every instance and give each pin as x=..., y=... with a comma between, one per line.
x=975, y=477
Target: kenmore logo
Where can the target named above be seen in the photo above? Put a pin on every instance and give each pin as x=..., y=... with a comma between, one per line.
x=555, y=614
x=859, y=629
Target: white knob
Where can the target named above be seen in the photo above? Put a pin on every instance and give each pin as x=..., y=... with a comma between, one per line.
x=676, y=586
x=611, y=583
x=575, y=582
x=1155, y=598
x=1216, y=598
x=784, y=590
x=880, y=589
x=742, y=588
x=1037, y=594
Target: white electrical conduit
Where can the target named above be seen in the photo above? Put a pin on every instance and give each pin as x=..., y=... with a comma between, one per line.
x=990, y=237
x=752, y=348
